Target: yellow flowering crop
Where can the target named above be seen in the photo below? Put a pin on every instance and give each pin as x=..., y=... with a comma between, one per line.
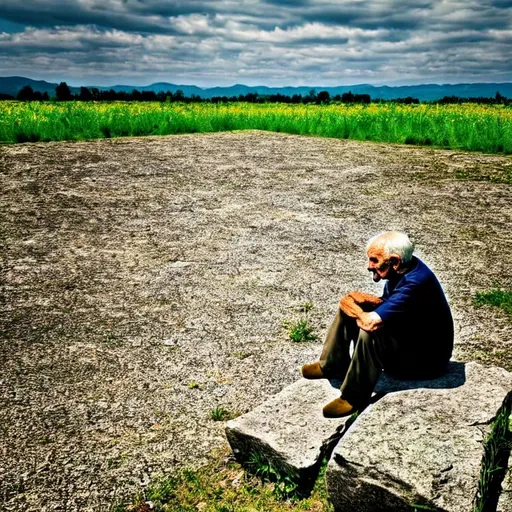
x=465, y=126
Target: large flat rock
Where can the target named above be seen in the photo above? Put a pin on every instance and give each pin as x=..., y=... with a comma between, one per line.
x=419, y=446
x=289, y=429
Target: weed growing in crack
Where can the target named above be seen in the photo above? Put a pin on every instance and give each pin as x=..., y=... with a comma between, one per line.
x=222, y=414
x=285, y=486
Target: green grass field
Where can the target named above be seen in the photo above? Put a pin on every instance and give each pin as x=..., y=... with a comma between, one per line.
x=465, y=127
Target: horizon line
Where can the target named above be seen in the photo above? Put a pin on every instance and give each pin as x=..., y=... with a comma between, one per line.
x=260, y=85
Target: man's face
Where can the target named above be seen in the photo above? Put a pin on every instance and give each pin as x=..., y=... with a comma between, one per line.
x=378, y=264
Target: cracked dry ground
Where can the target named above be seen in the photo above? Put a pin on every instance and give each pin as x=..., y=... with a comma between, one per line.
x=134, y=269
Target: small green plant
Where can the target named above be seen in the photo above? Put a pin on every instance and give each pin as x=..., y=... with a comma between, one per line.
x=220, y=414
x=301, y=330
x=285, y=486
x=193, y=385
x=498, y=298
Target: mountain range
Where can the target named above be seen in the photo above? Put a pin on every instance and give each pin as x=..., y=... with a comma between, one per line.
x=425, y=92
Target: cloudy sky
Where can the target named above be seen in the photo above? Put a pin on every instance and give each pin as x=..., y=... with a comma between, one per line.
x=257, y=42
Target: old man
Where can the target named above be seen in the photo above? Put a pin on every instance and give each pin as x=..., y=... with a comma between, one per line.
x=408, y=332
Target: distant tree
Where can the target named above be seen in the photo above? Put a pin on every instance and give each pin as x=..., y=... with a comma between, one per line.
x=310, y=97
x=85, y=94
x=323, y=97
x=178, y=95
x=408, y=101
x=45, y=96
x=499, y=98
x=6, y=97
x=63, y=92
x=449, y=99
x=148, y=96
x=95, y=92
x=347, y=97
x=25, y=94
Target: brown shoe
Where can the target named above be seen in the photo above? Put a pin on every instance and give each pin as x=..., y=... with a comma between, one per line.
x=313, y=371
x=338, y=408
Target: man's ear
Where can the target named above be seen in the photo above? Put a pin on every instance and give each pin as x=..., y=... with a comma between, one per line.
x=396, y=261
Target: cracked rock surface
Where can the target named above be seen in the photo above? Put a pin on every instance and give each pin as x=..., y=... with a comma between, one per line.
x=144, y=282
x=419, y=446
x=289, y=430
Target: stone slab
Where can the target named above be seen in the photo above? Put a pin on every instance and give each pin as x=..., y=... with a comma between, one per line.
x=420, y=446
x=453, y=377
x=289, y=429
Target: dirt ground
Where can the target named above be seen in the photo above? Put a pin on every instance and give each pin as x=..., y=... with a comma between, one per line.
x=145, y=282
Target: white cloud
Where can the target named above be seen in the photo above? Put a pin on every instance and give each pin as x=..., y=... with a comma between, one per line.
x=225, y=41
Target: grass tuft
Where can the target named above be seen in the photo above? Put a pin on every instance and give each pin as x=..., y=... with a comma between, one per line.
x=221, y=414
x=223, y=486
x=284, y=486
x=301, y=331
x=498, y=298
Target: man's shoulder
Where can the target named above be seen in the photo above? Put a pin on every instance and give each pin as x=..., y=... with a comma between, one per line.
x=420, y=274
x=420, y=270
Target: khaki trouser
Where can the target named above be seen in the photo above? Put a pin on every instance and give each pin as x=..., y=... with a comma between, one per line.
x=373, y=353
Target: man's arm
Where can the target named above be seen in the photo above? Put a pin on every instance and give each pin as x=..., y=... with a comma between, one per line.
x=354, y=305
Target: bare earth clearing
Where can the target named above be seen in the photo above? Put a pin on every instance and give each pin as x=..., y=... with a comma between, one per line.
x=132, y=268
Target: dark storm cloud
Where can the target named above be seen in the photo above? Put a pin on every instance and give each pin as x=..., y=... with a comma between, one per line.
x=259, y=41
x=50, y=13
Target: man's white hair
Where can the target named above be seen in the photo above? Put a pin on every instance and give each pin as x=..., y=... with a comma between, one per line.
x=393, y=242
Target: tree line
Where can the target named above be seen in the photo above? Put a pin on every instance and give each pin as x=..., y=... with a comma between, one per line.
x=64, y=93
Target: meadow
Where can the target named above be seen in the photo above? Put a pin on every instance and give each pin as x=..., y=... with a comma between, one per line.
x=473, y=127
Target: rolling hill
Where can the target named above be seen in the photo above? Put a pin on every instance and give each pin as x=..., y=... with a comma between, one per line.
x=424, y=92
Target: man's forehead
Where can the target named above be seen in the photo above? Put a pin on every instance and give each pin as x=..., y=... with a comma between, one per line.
x=375, y=249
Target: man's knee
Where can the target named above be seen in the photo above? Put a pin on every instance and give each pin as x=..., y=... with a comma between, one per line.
x=365, y=338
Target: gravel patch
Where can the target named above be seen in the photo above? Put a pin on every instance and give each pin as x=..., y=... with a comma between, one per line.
x=145, y=281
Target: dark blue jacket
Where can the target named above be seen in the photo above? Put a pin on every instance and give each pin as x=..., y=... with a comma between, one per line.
x=416, y=313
